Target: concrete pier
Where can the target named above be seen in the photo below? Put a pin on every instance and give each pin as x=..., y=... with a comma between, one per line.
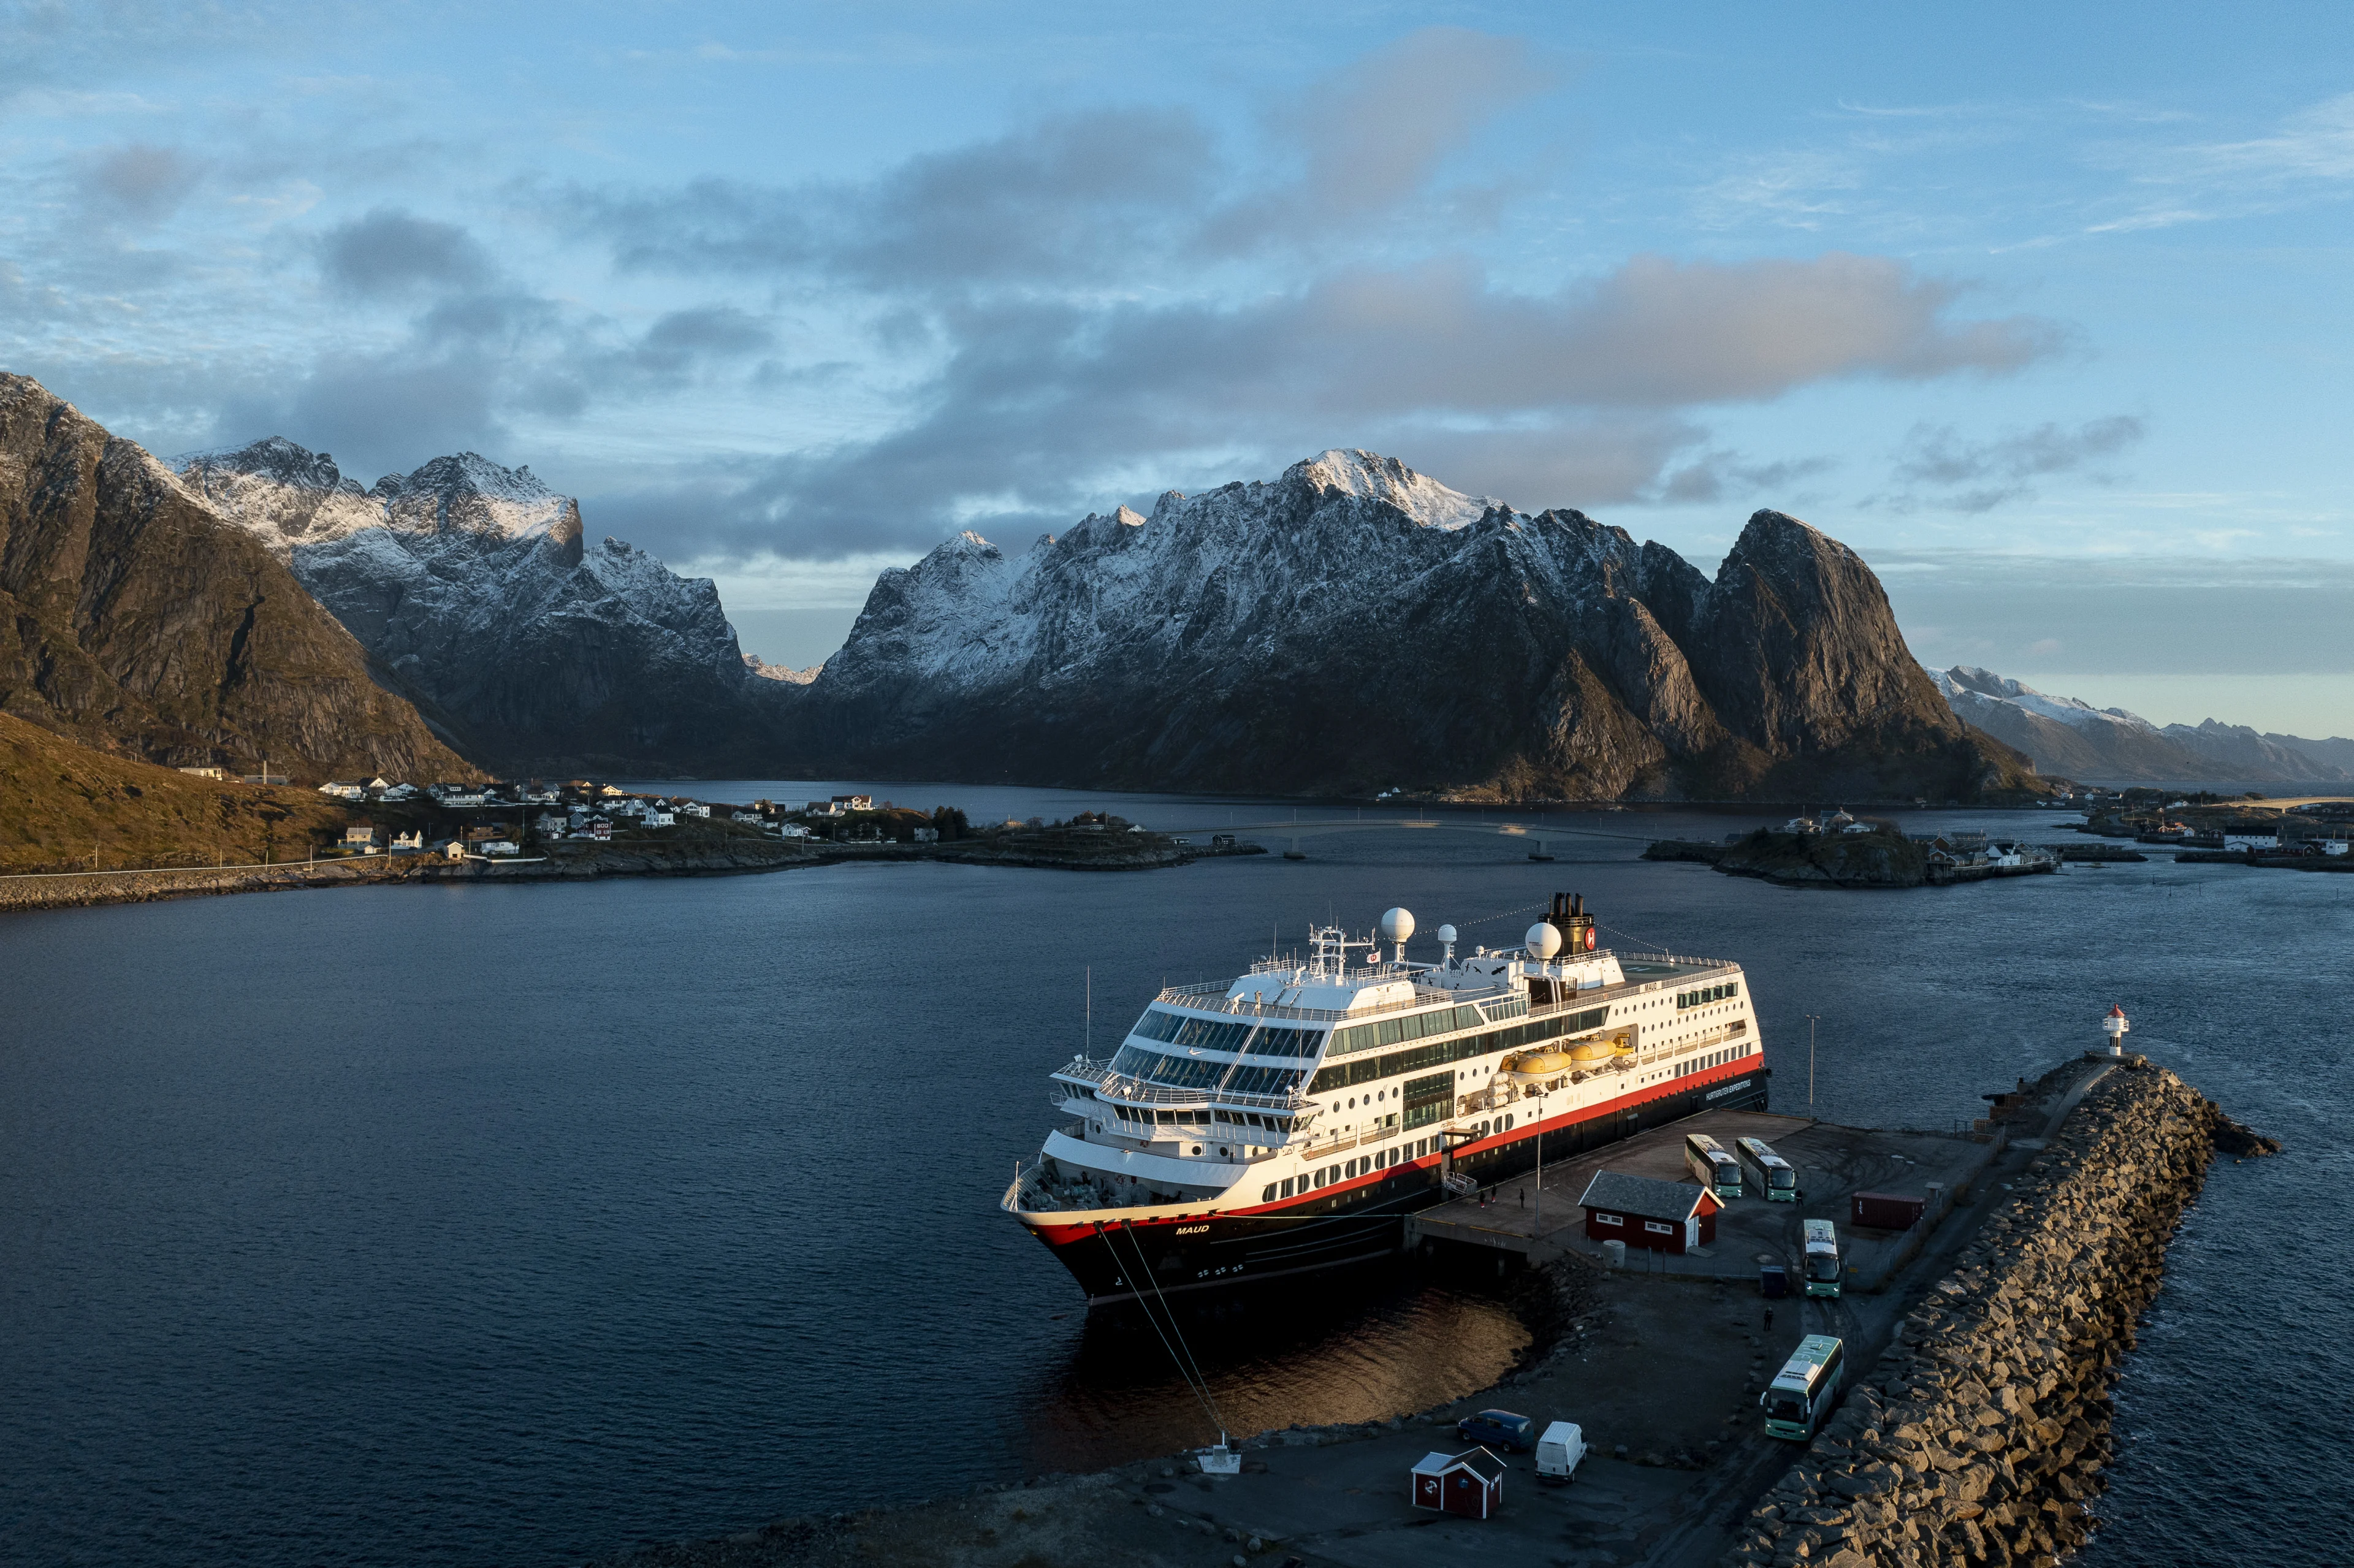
x=1543, y=1224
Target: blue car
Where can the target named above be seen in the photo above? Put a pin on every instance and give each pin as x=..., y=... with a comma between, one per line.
x=1498, y=1429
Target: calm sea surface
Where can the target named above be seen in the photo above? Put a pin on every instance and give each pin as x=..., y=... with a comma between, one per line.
x=521, y=1223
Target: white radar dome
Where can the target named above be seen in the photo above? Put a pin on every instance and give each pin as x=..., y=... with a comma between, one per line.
x=1543, y=940
x=1447, y=933
x=1397, y=925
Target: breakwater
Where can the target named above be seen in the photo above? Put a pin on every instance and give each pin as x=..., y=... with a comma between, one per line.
x=1980, y=1435
x=63, y=890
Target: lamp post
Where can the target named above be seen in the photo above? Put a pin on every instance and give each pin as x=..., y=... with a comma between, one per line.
x=1812, y=1020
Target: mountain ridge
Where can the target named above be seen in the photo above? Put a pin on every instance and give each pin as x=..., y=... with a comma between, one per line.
x=135, y=621
x=2070, y=736
x=476, y=584
x=1353, y=625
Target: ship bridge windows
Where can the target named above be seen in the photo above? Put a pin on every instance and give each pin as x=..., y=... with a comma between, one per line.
x=1438, y=1052
x=1272, y=1041
x=1404, y=1028
x=1707, y=994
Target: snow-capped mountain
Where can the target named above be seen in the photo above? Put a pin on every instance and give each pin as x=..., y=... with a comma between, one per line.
x=473, y=583
x=134, y=620
x=1355, y=625
x=2111, y=746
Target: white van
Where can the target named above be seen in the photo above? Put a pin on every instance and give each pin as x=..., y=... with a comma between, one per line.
x=1559, y=1450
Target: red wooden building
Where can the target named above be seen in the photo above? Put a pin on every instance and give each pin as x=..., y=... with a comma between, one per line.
x=1666, y=1216
x=1471, y=1484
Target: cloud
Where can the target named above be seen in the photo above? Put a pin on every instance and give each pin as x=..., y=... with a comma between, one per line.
x=1375, y=133
x=1070, y=198
x=391, y=254
x=1037, y=403
x=1996, y=470
x=1715, y=475
x=141, y=180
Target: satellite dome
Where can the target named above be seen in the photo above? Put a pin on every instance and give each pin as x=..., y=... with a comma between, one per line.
x=1397, y=925
x=1543, y=940
x=1447, y=933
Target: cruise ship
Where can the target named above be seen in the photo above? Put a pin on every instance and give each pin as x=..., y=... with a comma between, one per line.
x=1288, y=1119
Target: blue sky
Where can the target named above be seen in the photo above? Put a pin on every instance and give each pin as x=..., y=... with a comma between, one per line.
x=2045, y=310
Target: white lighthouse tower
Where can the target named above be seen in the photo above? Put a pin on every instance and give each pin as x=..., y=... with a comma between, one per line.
x=2114, y=1026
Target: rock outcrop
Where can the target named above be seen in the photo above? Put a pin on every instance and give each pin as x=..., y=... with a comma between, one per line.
x=1355, y=626
x=1982, y=1433
x=474, y=583
x=134, y=621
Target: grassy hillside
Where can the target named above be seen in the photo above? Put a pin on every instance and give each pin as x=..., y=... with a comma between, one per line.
x=61, y=803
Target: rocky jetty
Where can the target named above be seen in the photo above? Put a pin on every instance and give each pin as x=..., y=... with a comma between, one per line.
x=1883, y=859
x=1981, y=1435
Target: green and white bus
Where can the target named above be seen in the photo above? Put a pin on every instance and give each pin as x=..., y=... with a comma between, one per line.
x=1823, y=1266
x=1806, y=1388
x=1715, y=1170
x=1776, y=1178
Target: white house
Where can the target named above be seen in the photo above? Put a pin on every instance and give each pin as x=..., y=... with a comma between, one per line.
x=455, y=849
x=499, y=846
x=655, y=817
x=2250, y=841
x=1857, y=827
x=1801, y=825
x=464, y=800
x=824, y=808
x=401, y=792
x=409, y=842
x=348, y=791
x=792, y=830
x=550, y=826
x=691, y=809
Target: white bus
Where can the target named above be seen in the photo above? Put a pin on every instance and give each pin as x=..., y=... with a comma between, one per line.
x=1823, y=1268
x=1716, y=1170
x=1776, y=1178
x=1806, y=1388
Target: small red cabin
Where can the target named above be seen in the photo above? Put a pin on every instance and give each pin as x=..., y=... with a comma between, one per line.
x=1666, y=1216
x=1471, y=1484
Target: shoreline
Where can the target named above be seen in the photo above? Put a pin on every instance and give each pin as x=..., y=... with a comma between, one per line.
x=1974, y=1427
x=31, y=891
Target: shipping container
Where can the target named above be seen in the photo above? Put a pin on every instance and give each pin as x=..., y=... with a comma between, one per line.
x=1886, y=1211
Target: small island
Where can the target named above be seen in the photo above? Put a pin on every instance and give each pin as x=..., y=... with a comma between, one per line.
x=1841, y=851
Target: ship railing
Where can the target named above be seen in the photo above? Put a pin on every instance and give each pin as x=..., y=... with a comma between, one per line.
x=1098, y=1075
x=1211, y=997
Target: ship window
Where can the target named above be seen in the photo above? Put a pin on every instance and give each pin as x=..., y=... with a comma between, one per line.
x=1263, y=1080
x=1266, y=1193
x=1287, y=1186
x=1273, y=1042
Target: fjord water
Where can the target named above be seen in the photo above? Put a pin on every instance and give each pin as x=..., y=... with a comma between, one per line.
x=457, y=1224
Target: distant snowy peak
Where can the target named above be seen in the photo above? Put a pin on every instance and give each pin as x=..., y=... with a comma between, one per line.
x=290, y=496
x=1371, y=476
x=1985, y=684
x=785, y=672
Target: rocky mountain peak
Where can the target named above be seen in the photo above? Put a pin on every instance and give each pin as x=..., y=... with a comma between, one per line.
x=1355, y=625
x=1373, y=477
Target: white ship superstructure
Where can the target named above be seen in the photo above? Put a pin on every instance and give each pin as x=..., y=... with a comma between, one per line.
x=1255, y=1126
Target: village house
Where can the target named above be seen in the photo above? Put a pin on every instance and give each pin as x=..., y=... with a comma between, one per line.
x=1666, y=1216
x=345, y=789
x=690, y=809
x=206, y=772
x=601, y=830
x=409, y=842
x=455, y=849
x=655, y=817
x=824, y=808
x=854, y=802
x=548, y=825
x=401, y=792
x=361, y=836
